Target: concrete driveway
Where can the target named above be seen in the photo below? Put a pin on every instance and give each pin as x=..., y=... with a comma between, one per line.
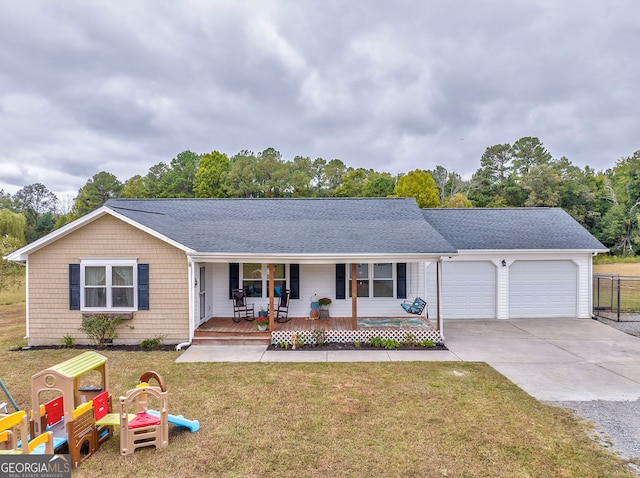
x=553, y=359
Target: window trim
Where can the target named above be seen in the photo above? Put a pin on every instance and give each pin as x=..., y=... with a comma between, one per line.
x=371, y=280
x=263, y=278
x=108, y=264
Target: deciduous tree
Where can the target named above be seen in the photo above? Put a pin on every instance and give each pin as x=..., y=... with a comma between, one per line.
x=420, y=185
x=10, y=272
x=34, y=200
x=12, y=224
x=211, y=175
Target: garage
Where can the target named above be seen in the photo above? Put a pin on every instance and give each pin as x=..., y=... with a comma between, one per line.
x=543, y=289
x=468, y=289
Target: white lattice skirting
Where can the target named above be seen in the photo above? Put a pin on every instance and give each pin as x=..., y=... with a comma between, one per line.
x=361, y=335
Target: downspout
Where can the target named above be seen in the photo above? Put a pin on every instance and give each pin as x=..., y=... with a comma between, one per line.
x=192, y=315
x=27, y=298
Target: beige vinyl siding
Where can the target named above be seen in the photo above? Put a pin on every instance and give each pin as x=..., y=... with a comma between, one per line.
x=107, y=237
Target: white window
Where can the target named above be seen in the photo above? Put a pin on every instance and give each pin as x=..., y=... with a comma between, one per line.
x=373, y=280
x=255, y=279
x=108, y=285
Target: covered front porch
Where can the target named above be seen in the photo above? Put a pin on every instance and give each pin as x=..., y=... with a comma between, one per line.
x=223, y=330
x=359, y=287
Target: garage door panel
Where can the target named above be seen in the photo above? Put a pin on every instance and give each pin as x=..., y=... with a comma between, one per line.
x=469, y=290
x=542, y=289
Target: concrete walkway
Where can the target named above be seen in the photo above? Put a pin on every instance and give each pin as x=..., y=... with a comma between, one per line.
x=551, y=359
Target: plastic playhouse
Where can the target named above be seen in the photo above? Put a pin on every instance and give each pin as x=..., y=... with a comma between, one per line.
x=77, y=416
x=14, y=431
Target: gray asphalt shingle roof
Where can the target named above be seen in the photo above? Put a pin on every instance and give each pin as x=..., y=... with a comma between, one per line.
x=518, y=228
x=289, y=226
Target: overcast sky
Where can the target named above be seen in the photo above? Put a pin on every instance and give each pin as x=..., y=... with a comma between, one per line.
x=88, y=86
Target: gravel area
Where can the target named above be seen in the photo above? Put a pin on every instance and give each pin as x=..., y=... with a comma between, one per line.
x=629, y=325
x=617, y=424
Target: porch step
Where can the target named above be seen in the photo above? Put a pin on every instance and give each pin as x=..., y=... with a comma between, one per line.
x=226, y=339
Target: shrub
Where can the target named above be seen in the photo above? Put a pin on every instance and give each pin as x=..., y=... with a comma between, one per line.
x=375, y=341
x=427, y=343
x=101, y=328
x=152, y=344
x=298, y=341
x=390, y=344
x=410, y=339
x=320, y=336
x=68, y=341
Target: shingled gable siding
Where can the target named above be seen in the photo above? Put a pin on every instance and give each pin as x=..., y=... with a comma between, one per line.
x=49, y=315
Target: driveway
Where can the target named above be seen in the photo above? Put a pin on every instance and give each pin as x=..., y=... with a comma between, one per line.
x=553, y=359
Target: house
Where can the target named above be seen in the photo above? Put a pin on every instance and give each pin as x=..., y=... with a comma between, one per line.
x=169, y=265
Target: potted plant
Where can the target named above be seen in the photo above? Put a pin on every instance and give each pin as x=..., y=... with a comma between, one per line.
x=262, y=322
x=325, y=302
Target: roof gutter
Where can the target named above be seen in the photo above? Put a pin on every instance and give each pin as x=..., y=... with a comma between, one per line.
x=317, y=258
x=465, y=252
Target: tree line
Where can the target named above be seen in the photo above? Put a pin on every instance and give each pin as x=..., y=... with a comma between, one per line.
x=522, y=174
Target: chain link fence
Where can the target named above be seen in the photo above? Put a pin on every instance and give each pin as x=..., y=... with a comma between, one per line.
x=616, y=297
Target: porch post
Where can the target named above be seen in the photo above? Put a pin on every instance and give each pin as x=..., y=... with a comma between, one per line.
x=271, y=301
x=354, y=298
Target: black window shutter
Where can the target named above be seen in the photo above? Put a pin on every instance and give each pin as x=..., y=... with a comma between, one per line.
x=401, y=279
x=74, y=286
x=143, y=286
x=341, y=278
x=234, y=277
x=294, y=282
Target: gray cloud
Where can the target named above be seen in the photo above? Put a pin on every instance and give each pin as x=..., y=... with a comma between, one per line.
x=393, y=86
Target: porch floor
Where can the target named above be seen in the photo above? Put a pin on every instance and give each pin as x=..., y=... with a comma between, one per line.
x=227, y=325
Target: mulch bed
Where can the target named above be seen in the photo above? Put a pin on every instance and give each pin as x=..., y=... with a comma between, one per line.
x=351, y=346
x=118, y=348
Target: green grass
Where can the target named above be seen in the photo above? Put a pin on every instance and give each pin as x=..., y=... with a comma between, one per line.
x=14, y=295
x=613, y=259
x=332, y=419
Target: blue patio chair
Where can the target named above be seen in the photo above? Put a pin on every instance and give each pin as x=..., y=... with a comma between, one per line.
x=416, y=307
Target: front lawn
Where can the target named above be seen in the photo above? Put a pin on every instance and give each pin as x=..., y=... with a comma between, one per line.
x=332, y=419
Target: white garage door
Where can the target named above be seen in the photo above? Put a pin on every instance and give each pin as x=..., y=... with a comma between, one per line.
x=468, y=290
x=542, y=289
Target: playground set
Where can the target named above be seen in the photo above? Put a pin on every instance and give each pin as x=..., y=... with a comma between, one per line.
x=79, y=418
